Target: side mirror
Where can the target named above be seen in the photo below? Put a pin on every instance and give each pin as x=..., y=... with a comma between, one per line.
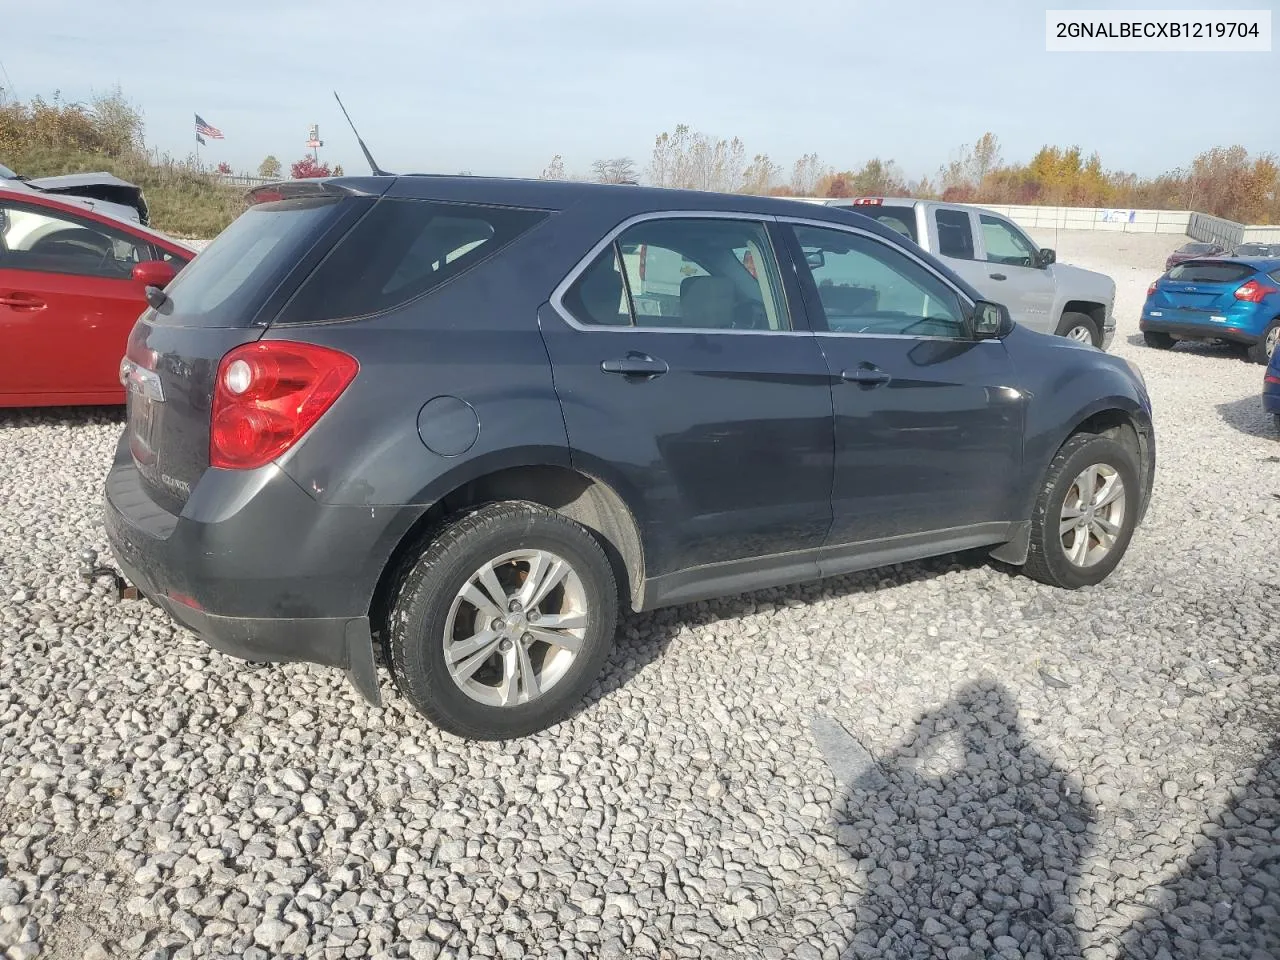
x=815, y=258
x=154, y=273
x=990, y=320
x=1047, y=257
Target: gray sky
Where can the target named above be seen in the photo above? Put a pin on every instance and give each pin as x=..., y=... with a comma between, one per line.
x=498, y=87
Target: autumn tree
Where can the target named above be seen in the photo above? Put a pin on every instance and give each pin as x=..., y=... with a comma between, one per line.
x=761, y=175
x=307, y=168
x=689, y=160
x=269, y=167
x=617, y=170
x=553, y=170
x=805, y=174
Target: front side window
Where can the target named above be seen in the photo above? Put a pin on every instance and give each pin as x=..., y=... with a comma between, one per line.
x=43, y=240
x=687, y=273
x=1005, y=244
x=866, y=286
x=955, y=234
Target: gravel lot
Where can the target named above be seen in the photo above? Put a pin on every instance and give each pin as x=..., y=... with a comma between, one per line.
x=938, y=760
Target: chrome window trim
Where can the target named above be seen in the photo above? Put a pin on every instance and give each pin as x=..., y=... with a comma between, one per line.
x=557, y=295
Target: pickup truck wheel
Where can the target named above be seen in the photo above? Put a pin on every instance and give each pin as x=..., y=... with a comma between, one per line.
x=1261, y=351
x=503, y=621
x=1080, y=328
x=1085, y=514
x=1157, y=339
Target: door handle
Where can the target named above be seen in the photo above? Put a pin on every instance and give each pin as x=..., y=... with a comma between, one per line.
x=997, y=276
x=22, y=301
x=867, y=376
x=636, y=365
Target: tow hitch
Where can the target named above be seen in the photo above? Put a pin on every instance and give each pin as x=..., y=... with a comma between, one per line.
x=91, y=570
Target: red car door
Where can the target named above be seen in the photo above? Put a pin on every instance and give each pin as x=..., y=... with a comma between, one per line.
x=67, y=303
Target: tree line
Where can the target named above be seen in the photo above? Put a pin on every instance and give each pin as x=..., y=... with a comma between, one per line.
x=1224, y=181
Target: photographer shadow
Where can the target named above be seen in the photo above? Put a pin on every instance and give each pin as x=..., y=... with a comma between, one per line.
x=969, y=840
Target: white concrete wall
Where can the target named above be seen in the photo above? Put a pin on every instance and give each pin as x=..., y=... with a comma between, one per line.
x=1200, y=226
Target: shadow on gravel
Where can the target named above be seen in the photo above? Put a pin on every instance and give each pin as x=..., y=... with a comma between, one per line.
x=970, y=839
x=1218, y=349
x=1247, y=415
x=1226, y=903
x=20, y=418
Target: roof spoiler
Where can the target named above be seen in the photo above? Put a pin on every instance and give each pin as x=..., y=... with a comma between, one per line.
x=373, y=164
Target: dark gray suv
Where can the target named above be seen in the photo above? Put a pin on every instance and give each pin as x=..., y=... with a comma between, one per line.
x=470, y=418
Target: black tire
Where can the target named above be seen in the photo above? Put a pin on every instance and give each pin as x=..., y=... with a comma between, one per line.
x=1047, y=559
x=414, y=631
x=1079, y=321
x=1258, y=352
x=1161, y=341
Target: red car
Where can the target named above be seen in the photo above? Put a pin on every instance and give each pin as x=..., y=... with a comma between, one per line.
x=72, y=284
x=1193, y=251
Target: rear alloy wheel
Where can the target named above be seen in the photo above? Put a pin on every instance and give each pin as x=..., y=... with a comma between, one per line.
x=1161, y=341
x=504, y=621
x=1080, y=328
x=1262, y=351
x=1085, y=514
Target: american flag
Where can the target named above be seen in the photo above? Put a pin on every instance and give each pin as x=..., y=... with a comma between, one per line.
x=203, y=129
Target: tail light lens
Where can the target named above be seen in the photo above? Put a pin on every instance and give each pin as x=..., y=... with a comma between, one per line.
x=1254, y=292
x=268, y=395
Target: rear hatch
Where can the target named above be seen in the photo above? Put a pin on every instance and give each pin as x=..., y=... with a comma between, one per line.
x=1201, y=286
x=225, y=297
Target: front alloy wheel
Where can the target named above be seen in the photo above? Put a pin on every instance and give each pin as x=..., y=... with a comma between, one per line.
x=1085, y=514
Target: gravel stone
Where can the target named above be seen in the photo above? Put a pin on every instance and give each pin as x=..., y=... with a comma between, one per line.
x=871, y=766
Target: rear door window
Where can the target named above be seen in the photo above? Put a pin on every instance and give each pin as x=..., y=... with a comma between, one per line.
x=955, y=234
x=401, y=250
x=1209, y=272
x=901, y=219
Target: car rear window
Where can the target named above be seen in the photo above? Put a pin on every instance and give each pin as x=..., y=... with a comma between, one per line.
x=401, y=250
x=901, y=219
x=228, y=282
x=1209, y=272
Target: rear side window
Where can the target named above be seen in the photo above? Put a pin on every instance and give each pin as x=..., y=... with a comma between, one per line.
x=901, y=219
x=1209, y=272
x=226, y=284
x=401, y=250
x=955, y=234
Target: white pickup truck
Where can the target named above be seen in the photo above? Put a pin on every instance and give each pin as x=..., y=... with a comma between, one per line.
x=998, y=259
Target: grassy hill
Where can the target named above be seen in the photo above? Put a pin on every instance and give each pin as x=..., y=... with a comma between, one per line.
x=40, y=138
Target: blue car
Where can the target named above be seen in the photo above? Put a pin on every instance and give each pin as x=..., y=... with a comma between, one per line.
x=1235, y=299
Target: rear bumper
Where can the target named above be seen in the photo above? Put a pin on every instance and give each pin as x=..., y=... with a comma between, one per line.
x=255, y=567
x=1199, y=330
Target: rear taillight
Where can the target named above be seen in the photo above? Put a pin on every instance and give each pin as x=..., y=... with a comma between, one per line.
x=268, y=395
x=1254, y=292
